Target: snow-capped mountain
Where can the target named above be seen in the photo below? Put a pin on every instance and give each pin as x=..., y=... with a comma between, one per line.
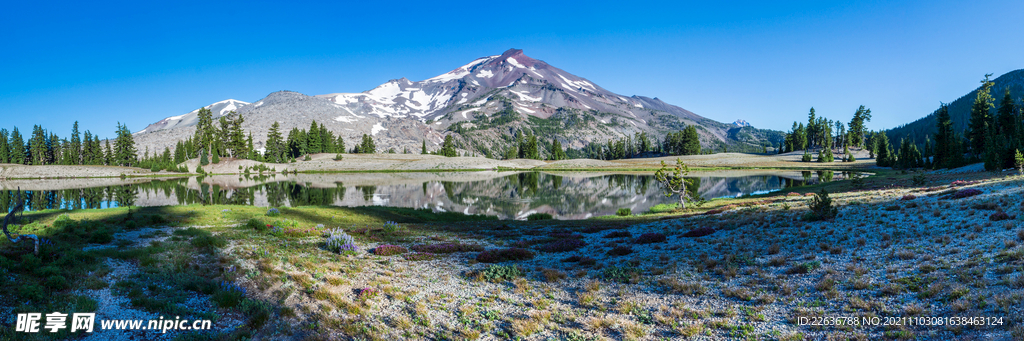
x=192, y=118
x=467, y=101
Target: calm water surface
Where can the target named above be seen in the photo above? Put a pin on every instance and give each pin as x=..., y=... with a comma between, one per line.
x=508, y=195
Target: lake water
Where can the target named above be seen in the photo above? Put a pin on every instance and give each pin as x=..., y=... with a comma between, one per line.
x=508, y=195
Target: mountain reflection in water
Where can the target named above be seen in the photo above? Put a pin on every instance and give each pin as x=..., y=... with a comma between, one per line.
x=508, y=195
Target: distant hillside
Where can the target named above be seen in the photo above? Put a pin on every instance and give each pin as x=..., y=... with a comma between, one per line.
x=960, y=109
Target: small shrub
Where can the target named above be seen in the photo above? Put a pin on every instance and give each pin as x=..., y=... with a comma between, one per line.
x=804, y=268
x=685, y=288
x=621, y=274
x=539, y=216
x=255, y=224
x=648, y=238
x=964, y=193
x=909, y=197
x=420, y=256
x=498, y=273
x=504, y=255
x=821, y=207
x=620, y=251
x=619, y=234
x=563, y=245
x=552, y=275
x=389, y=250
x=999, y=216
x=56, y=282
x=624, y=212
x=446, y=248
x=228, y=295
x=920, y=179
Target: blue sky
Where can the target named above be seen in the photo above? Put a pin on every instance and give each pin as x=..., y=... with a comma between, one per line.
x=768, y=63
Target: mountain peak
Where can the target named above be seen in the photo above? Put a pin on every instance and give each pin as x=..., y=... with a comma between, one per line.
x=516, y=58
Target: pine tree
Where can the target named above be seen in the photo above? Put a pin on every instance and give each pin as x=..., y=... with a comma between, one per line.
x=846, y=153
x=179, y=153
x=5, y=149
x=205, y=131
x=423, y=149
x=448, y=147
x=556, y=152
x=812, y=129
x=533, y=152
x=237, y=137
x=216, y=158
x=980, y=117
x=37, y=146
x=1019, y=162
x=313, y=144
x=250, y=151
x=857, y=128
x=691, y=141
x=944, y=140
x=125, y=153
x=203, y=160
x=367, y=146
x=17, y=146
x=274, y=146
x=108, y=155
x=884, y=156
x=76, y=146
x=1007, y=130
x=993, y=162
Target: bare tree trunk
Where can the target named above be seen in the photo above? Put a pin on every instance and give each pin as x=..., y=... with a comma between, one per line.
x=12, y=217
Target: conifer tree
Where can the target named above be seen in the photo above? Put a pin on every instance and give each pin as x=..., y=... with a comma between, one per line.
x=108, y=154
x=531, y=147
x=448, y=147
x=203, y=160
x=125, y=153
x=944, y=140
x=367, y=146
x=992, y=160
x=179, y=153
x=216, y=158
x=556, y=151
x=5, y=149
x=1019, y=162
x=883, y=158
x=205, y=131
x=274, y=146
x=423, y=149
x=857, y=128
x=17, y=146
x=980, y=120
x=76, y=146
x=37, y=146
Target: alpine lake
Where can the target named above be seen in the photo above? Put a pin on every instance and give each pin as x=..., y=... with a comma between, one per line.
x=507, y=195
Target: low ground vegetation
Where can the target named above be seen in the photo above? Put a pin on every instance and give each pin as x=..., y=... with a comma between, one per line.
x=889, y=246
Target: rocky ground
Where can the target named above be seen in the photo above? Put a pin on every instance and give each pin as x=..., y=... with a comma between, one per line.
x=947, y=249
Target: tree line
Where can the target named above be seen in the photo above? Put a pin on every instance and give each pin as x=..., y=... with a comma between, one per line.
x=994, y=135
x=47, y=148
x=826, y=135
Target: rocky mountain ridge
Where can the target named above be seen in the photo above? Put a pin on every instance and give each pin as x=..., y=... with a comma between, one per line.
x=484, y=103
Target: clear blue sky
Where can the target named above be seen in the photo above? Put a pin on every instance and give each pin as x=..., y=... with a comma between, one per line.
x=140, y=61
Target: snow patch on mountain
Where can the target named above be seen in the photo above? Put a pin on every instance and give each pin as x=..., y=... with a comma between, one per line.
x=377, y=127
